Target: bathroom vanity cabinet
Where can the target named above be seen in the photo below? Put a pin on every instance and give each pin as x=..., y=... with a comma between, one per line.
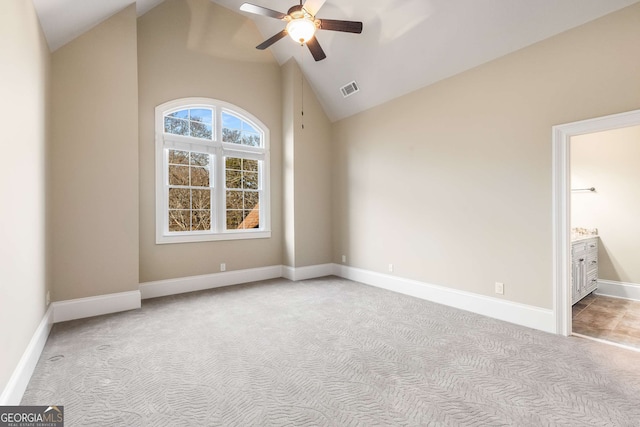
x=584, y=267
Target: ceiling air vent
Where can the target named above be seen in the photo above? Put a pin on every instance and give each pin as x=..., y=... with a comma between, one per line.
x=349, y=89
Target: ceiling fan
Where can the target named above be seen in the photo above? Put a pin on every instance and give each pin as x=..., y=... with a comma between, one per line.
x=302, y=25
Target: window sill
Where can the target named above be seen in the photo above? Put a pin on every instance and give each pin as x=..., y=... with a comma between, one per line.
x=183, y=238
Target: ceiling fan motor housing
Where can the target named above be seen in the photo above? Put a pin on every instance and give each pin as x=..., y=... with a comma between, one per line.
x=296, y=12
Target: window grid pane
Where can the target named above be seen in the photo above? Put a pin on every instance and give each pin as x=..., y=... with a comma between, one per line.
x=243, y=194
x=195, y=122
x=238, y=131
x=189, y=192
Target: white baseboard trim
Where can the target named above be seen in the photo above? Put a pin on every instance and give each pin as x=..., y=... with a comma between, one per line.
x=181, y=285
x=95, y=306
x=14, y=390
x=309, y=272
x=624, y=290
x=520, y=314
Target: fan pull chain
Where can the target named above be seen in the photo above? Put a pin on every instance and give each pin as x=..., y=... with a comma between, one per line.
x=302, y=86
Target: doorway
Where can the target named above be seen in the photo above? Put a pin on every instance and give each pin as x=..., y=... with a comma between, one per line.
x=561, y=221
x=605, y=207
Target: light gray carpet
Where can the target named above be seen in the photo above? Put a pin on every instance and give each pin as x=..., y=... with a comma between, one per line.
x=326, y=352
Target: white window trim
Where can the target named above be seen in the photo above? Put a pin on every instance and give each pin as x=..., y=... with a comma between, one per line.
x=220, y=150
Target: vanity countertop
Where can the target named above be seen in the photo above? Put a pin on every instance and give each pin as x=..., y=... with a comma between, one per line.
x=578, y=234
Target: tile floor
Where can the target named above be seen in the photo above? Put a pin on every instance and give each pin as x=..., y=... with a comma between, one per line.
x=611, y=319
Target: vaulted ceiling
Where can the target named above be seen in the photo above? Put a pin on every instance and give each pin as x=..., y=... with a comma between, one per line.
x=405, y=44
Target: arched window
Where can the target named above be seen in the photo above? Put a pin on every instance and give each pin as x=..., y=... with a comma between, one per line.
x=212, y=172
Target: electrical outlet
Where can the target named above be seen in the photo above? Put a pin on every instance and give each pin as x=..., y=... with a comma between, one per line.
x=499, y=288
x=48, y=298
x=344, y=258
x=390, y=268
x=223, y=267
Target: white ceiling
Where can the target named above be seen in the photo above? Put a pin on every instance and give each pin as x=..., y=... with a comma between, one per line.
x=405, y=44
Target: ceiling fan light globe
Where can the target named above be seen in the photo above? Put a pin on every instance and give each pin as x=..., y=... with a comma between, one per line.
x=301, y=30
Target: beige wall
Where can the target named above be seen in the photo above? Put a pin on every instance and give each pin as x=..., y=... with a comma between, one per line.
x=290, y=104
x=197, y=48
x=24, y=85
x=306, y=173
x=452, y=183
x=95, y=161
x=610, y=162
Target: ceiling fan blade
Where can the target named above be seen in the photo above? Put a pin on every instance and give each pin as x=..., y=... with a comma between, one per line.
x=344, y=26
x=265, y=44
x=259, y=10
x=316, y=49
x=313, y=6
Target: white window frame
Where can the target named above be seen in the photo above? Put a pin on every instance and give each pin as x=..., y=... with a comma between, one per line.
x=219, y=151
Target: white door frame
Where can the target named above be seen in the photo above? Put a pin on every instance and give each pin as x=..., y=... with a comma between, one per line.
x=561, y=222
